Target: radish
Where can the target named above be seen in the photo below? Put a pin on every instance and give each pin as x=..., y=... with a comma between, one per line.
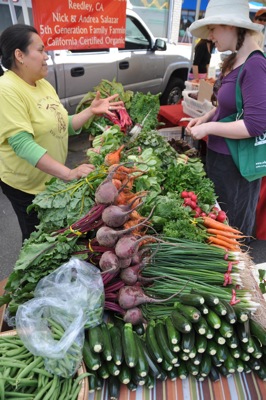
x=115, y=216
x=109, y=262
x=134, y=316
x=132, y=296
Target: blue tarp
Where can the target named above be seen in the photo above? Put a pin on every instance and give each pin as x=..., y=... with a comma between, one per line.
x=191, y=5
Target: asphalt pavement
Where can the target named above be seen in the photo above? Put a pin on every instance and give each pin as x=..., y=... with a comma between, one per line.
x=10, y=237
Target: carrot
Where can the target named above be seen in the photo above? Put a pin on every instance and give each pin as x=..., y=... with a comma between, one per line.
x=231, y=235
x=233, y=242
x=212, y=223
x=114, y=157
x=117, y=183
x=225, y=245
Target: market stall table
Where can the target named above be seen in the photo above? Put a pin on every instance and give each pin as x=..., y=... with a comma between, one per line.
x=173, y=115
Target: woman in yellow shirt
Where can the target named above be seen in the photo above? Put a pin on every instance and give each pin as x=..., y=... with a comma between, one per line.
x=34, y=125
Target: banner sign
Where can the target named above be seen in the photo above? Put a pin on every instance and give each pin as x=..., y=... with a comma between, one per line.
x=80, y=24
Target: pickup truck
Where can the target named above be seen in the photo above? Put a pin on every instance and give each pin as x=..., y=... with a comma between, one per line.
x=146, y=64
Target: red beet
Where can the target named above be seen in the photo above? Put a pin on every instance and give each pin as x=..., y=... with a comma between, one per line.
x=134, y=316
x=109, y=262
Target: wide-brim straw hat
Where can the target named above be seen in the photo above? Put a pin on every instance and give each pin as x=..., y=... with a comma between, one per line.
x=224, y=12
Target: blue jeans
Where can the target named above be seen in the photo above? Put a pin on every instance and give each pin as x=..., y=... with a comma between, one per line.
x=20, y=201
x=236, y=196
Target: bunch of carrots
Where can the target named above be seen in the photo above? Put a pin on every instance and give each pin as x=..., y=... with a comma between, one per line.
x=222, y=235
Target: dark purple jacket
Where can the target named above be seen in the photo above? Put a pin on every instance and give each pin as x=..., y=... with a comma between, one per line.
x=253, y=88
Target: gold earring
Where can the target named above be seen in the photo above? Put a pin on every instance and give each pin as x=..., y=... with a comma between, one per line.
x=21, y=62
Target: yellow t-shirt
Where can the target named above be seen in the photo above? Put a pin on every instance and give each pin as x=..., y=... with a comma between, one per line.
x=36, y=110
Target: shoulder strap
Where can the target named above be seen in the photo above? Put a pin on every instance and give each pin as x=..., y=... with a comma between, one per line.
x=239, y=100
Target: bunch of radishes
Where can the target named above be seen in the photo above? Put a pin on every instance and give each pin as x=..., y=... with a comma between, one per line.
x=191, y=200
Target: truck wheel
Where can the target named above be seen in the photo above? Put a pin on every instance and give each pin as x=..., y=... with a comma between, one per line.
x=173, y=92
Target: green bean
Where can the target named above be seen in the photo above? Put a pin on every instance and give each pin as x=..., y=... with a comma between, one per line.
x=76, y=383
x=6, y=362
x=29, y=368
x=48, y=395
x=41, y=372
x=66, y=385
x=2, y=387
x=17, y=351
x=16, y=396
x=43, y=390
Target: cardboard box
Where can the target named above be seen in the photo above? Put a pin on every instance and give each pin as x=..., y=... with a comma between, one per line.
x=205, y=91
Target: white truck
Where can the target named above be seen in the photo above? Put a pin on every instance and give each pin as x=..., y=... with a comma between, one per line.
x=146, y=64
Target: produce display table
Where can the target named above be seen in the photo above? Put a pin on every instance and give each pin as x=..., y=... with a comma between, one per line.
x=172, y=116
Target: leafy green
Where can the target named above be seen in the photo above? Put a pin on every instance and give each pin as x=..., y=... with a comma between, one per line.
x=143, y=105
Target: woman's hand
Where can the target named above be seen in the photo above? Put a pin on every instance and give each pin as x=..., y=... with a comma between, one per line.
x=106, y=105
x=80, y=172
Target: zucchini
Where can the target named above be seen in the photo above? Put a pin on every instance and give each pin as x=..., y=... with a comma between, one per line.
x=262, y=372
x=224, y=371
x=203, y=309
x=132, y=386
x=243, y=331
x=142, y=366
x=235, y=352
x=183, y=356
x=173, y=374
x=107, y=352
x=209, y=299
x=240, y=365
x=192, y=368
x=139, y=329
x=254, y=364
x=248, y=346
x=93, y=383
x=138, y=380
x=116, y=340
x=241, y=314
x=247, y=369
x=152, y=343
x=193, y=352
x=226, y=329
x=190, y=312
x=103, y=372
x=95, y=338
x=112, y=368
x=188, y=341
x=172, y=333
x=233, y=341
x=201, y=343
x=257, y=353
x=213, y=320
x=161, y=336
x=149, y=382
x=230, y=316
x=175, y=347
x=258, y=331
x=197, y=359
x=219, y=338
x=211, y=348
x=220, y=309
x=155, y=369
x=182, y=370
x=222, y=352
x=113, y=388
x=214, y=374
x=129, y=345
x=92, y=360
x=205, y=365
x=201, y=326
x=215, y=361
x=210, y=332
x=181, y=323
x=244, y=356
x=125, y=374
x=191, y=299
x=166, y=366
x=230, y=364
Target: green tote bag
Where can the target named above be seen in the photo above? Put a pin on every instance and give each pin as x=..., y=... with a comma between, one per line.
x=249, y=154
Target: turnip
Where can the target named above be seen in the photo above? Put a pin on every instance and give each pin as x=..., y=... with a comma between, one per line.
x=134, y=316
x=115, y=216
x=133, y=296
x=108, y=237
x=109, y=262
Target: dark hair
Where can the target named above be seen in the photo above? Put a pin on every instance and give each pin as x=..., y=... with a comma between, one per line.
x=14, y=37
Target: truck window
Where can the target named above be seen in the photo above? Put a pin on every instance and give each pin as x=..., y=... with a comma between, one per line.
x=5, y=16
x=136, y=36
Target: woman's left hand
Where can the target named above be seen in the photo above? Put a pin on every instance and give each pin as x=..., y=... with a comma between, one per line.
x=105, y=105
x=198, y=132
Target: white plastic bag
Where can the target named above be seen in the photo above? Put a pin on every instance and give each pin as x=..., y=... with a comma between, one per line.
x=52, y=324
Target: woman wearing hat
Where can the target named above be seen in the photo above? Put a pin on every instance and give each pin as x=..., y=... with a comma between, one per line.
x=228, y=25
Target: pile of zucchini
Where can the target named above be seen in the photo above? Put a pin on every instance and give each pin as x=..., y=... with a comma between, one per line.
x=205, y=337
